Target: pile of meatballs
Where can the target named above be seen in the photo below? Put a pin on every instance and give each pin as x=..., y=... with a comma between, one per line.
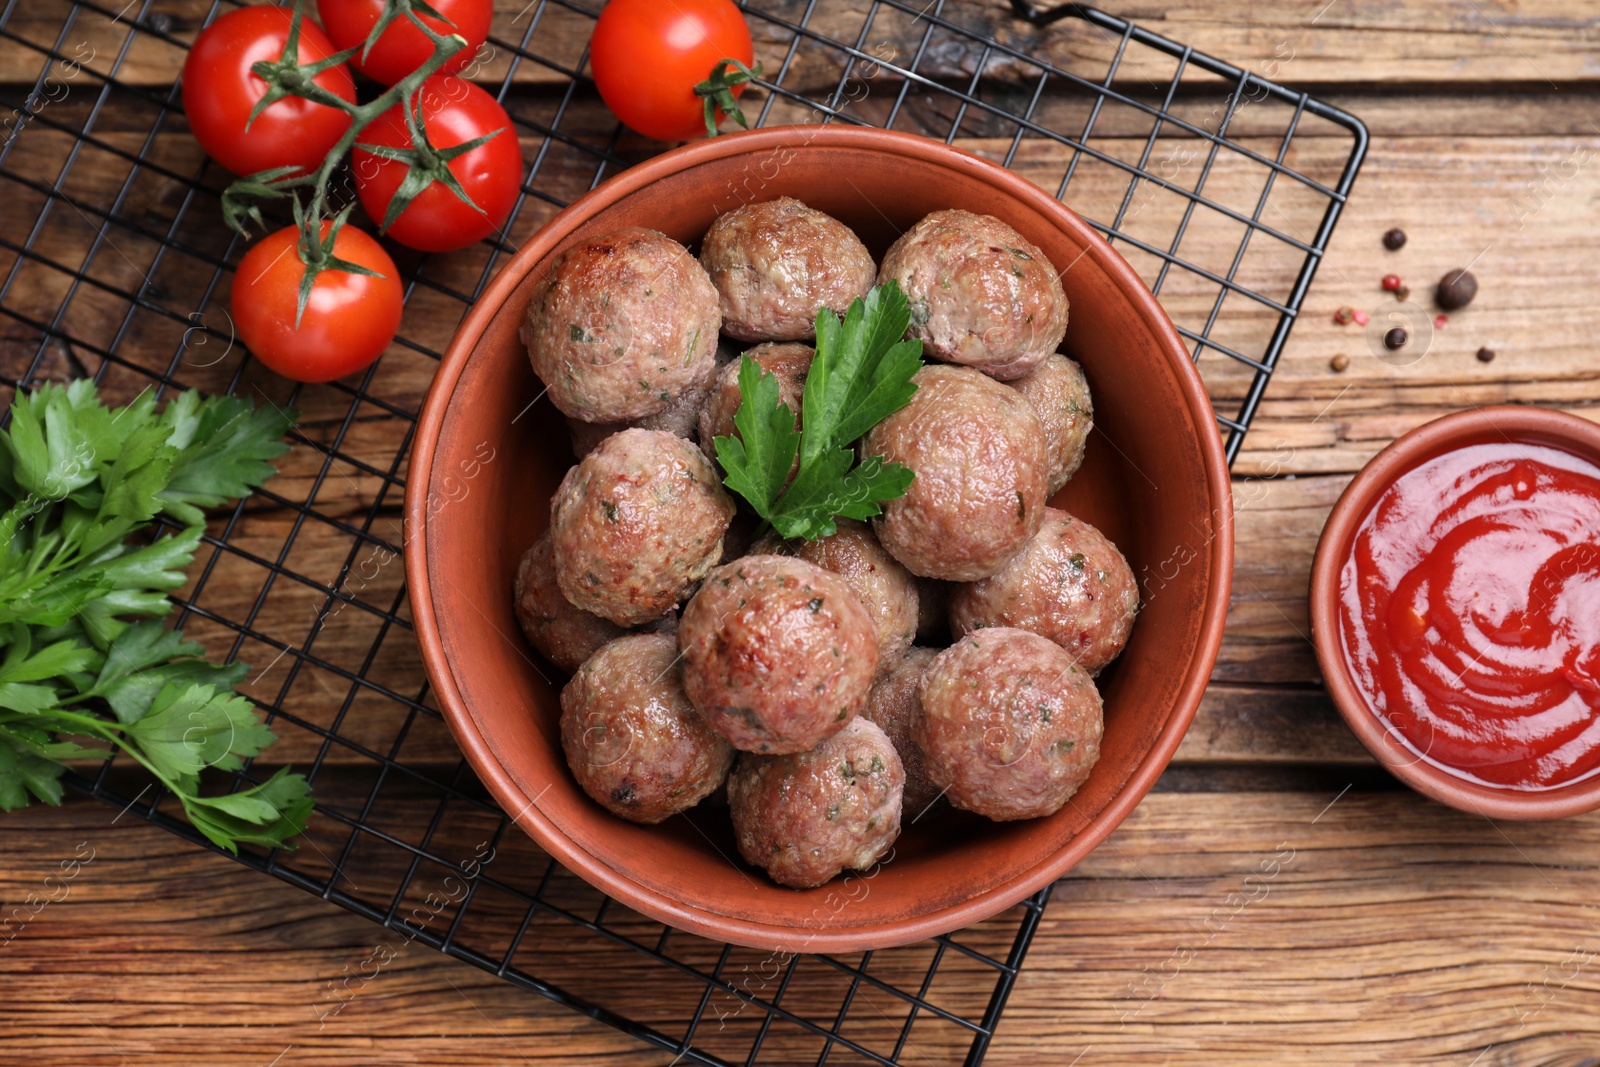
x=945, y=654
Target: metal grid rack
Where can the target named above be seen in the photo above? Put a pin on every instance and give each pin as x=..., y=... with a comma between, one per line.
x=1219, y=185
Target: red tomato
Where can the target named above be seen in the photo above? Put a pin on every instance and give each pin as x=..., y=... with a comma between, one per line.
x=453, y=112
x=647, y=57
x=403, y=48
x=349, y=320
x=219, y=90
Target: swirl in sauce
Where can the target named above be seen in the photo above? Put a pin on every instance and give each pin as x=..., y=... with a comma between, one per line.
x=1470, y=613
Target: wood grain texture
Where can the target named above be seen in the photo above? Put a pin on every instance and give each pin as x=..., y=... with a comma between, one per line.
x=1532, y=42
x=1246, y=928
x=1226, y=922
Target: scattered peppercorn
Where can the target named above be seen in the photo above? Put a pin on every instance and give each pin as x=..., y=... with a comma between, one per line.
x=1395, y=239
x=1395, y=338
x=1340, y=362
x=1344, y=316
x=1361, y=318
x=1441, y=321
x=1486, y=355
x=1391, y=282
x=1403, y=293
x=1456, y=289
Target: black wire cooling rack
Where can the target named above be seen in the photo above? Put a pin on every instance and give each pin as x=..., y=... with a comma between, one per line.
x=1219, y=185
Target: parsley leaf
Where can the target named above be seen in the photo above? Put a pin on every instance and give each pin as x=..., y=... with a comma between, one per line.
x=861, y=374
x=758, y=460
x=80, y=601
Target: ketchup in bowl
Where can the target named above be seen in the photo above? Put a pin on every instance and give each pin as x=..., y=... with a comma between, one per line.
x=1469, y=613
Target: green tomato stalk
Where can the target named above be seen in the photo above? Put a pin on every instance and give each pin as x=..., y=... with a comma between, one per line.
x=286, y=76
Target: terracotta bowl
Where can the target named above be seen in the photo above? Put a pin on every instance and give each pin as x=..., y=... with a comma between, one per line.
x=1478, y=426
x=489, y=452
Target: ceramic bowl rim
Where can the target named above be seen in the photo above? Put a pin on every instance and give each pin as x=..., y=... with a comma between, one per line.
x=682, y=914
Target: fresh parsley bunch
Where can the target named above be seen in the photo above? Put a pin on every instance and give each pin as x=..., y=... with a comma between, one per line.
x=861, y=374
x=85, y=664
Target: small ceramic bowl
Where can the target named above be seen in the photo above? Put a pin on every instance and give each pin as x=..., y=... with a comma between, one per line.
x=490, y=450
x=1478, y=426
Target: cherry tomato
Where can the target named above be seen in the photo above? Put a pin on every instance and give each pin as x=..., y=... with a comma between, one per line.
x=453, y=112
x=219, y=90
x=349, y=320
x=403, y=48
x=647, y=57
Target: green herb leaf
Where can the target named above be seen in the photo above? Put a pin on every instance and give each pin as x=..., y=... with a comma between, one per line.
x=80, y=602
x=861, y=374
x=758, y=461
x=22, y=773
x=223, y=447
x=862, y=370
x=227, y=821
x=190, y=728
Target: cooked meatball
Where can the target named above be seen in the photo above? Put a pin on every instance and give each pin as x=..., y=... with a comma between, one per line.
x=681, y=418
x=620, y=325
x=1059, y=394
x=635, y=524
x=1069, y=584
x=980, y=293
x=778, y=653
x=776, y=264
x=789, y=363
x=563, y=634
x=807, y=816
x=1010, y=725
x=634, y=742
x=977, y=450
x=885, y=588
x=894, y=704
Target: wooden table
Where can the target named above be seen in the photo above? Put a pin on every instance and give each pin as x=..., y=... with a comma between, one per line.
x=1390, y=929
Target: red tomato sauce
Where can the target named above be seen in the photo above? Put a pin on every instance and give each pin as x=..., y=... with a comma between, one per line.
x=1470, y=613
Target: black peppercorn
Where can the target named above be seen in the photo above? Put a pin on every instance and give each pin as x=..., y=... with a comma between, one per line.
x=1403, y=293
x=1485, y=355
x=1395, y=338
x=1340, y=363
x=1395, y=239
x=1456, y=290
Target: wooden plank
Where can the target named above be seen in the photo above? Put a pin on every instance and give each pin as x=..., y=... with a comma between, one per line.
x=1235, y=928
x=1533, y=42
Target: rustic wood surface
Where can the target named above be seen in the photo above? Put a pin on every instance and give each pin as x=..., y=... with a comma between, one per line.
x=1277, y=899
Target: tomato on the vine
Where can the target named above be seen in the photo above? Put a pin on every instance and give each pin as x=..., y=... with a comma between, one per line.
x=648, y=57
x=219, y=91
x=349, y=319
x=403, y=48
x=454, y=112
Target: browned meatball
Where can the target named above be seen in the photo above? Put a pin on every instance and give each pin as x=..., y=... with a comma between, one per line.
x=563, y=634
x=634, y=742
x=776, y=264
x=977, y=450
x=1069, y=584
x=894, y=704
x=885, y=588
x=620, y=325
x=1010, y=726
x=786, y=362
x=681, y=418
x=778, y=653
x=1059, y=394
x=980, y=293
x=635, y=524
x=805, y=817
